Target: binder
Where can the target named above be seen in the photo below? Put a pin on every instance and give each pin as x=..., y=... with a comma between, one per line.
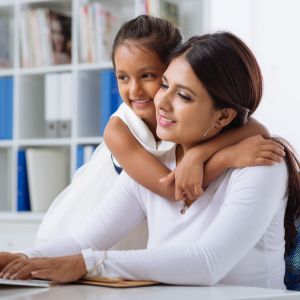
x=110, y=98
x=6, y=108
x=23, y=200
x=51, y=105
x=65, y=104
x=48, y=171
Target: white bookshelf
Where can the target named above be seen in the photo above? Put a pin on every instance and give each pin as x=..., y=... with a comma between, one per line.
x=28, y=95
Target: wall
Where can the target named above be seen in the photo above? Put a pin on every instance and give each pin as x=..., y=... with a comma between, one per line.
x=271, y=29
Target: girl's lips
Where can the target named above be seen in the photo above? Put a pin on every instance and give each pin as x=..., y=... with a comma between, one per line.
x=141, y=102
x=165, y=122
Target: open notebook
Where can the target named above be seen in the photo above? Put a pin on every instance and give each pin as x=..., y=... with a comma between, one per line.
x=29, y=282
x=115, y=282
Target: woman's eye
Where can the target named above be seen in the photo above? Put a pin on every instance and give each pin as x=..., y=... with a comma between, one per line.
x=184, y=96
x=164, y=86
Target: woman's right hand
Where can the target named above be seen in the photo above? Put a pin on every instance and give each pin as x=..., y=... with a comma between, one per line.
x=7, y=257
x=253, y=151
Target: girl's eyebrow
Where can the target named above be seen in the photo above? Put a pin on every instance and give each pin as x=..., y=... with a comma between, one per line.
x=181, y=86
x=147, y=68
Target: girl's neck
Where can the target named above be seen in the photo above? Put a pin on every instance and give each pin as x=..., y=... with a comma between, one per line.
x=151, y=123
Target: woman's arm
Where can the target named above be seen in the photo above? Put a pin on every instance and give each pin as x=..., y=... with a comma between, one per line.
x=254, y=197
x=141, y=165
x=112, y=219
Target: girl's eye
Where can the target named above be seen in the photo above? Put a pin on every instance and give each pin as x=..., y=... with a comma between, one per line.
x=122, y=77
x=149, y=75
x=184, y=96
x=164, y=86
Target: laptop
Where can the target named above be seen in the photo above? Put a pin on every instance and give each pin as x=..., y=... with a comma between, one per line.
x=29, y=282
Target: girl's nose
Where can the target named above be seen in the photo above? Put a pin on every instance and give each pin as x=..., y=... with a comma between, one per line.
x=135, y=89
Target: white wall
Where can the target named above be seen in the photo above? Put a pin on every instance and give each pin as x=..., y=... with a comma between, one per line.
x=271, y=28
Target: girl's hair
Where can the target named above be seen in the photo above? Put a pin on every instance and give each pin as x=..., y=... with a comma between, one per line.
x=230, y=73
x=155, y=34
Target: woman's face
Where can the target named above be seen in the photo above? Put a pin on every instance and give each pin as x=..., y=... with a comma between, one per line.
x=184, y=109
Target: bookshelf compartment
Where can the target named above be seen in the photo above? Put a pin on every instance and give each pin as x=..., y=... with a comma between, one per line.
x=31, y=107
x=88, y=106
x=46, y=33
x=6, y=37
x=98, y=98
x=97, y=26
x=43, y=172
x=5, y=179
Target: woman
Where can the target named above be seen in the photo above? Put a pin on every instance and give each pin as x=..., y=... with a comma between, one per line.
x=234, y=233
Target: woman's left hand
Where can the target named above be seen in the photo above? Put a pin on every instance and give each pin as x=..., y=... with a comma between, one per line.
x=58, y=269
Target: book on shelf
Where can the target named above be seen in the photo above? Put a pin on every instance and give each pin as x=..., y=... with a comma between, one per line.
x=84, y=153
x=58, y=104
x=48, y=175
x=5, y=44
x=45, y=37
x=23, y=200
x=110, y=98
x=164, y=9
x=97, y=28
x=6, y=108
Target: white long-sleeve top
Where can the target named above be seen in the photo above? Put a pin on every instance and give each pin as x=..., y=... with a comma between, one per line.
x=234, y=233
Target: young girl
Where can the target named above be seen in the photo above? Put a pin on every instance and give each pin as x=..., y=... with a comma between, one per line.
x=139, y=55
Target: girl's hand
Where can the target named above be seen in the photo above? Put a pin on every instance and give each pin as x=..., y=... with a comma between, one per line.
x=188, y=177
x=253, y=151
x=58, y=269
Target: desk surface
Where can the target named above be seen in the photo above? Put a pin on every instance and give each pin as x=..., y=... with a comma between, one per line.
x=161, y=292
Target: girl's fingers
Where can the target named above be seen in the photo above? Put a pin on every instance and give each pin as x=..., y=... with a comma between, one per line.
x=278, y=150
x=264, y=162
x=168, y=179
x=271, y=156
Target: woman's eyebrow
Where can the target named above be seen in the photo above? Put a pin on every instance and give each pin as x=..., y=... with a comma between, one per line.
x=181, y=86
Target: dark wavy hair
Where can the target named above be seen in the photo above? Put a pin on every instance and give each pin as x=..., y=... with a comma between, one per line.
x=155, y=34
x=231, y=75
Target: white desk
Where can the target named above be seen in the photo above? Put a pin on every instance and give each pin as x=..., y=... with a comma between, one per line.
x=159, y=292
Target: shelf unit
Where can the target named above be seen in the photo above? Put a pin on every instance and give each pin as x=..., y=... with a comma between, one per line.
x=28, y=91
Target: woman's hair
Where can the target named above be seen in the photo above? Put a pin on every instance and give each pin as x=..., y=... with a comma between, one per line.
x=155, y=34
x=231, y=75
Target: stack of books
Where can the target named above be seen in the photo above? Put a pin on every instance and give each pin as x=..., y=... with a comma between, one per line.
x=45, y=38
x=97, y=29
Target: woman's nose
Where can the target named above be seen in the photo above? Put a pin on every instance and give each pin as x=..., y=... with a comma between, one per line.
x=163, y=100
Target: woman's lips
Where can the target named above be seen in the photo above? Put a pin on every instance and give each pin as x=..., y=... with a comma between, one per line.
x=164, y=121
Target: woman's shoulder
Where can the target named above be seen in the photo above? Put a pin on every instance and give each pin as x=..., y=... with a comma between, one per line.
x=260, y=176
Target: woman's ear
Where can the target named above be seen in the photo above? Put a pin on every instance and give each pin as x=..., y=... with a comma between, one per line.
x=226, y=117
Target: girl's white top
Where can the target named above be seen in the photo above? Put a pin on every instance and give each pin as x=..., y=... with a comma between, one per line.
x=90, y=184
x=234, y=233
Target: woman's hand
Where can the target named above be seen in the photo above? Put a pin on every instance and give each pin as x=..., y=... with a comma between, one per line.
x=58, y=269
x=188, y=177
x=7, y=257
x=253, y=151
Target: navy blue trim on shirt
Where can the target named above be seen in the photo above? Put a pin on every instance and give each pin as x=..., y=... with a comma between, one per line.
x=117, y=168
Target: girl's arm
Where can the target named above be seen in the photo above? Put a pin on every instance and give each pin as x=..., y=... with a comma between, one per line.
x=188, y=175
x=138, y=163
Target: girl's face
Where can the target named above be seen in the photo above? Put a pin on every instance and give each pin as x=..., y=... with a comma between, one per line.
x=184, y=109
x=138, y=72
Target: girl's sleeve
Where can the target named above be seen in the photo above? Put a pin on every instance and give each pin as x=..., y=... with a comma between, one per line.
x=119, y=212
x=253, y=198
